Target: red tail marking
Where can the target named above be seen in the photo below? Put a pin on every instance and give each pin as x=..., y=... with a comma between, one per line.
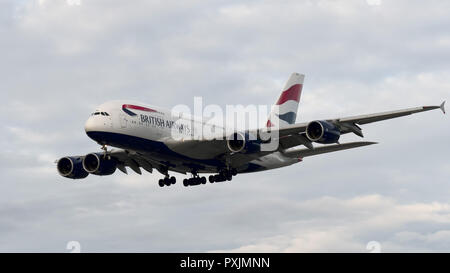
x=293, y=93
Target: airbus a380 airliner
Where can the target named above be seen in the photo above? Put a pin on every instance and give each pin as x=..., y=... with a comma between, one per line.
x=151, y=137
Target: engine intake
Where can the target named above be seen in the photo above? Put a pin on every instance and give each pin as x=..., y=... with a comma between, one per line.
x=243, y=143
x=236, y=142
x=97, y=164
x=324, y=132
x=71, y=167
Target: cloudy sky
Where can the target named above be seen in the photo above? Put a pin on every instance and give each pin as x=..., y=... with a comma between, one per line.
x=59, y=59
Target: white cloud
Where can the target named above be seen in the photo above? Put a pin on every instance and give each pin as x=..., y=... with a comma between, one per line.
x=347, y=225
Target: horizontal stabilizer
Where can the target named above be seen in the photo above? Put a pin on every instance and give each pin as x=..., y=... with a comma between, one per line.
x=302, y=152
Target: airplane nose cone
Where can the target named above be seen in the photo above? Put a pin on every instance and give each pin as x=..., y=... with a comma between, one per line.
x=92, y=130
x=89, y=126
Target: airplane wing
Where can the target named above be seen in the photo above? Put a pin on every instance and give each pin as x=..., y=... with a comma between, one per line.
x=132, y=160
x=149, y=161
x=294, y=134
x=302, y=152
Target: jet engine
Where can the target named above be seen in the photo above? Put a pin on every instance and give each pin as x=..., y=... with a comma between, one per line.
x=98, y=164
x=71, y=167
x=323, y=132
x=243, y=143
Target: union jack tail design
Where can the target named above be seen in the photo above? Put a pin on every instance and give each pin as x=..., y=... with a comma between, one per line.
x=284, y=112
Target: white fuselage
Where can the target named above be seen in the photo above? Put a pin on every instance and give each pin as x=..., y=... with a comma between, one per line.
x=156, y=132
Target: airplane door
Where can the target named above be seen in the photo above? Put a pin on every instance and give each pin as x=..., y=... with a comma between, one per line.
x=115, y=119
x=123, y=121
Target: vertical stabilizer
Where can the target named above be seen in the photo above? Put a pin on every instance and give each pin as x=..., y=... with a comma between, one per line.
x=284, y=112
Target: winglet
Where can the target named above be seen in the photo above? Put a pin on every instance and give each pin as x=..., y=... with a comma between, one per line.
x=443, y=107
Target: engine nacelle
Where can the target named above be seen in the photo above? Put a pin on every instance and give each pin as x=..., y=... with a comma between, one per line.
x=324, y=132
x=97, y=164
x=243, y=143
x=71, y=167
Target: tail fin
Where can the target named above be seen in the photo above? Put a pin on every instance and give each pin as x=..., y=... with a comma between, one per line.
x=284, y=112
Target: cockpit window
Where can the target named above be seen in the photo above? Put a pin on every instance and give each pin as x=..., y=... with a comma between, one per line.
x=100, y=113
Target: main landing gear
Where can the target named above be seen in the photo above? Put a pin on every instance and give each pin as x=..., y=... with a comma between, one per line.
x=194, y=181
x=167, y=181
x=224, y=175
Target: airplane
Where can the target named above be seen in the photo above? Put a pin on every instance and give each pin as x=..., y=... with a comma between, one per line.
x=143, y=138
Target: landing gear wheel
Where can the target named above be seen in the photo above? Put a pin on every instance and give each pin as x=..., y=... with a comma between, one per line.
x=161, y=183
x=211, y=179
x=203, y=180
x=185, y=182
x=173, y=180
x=167, y=181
